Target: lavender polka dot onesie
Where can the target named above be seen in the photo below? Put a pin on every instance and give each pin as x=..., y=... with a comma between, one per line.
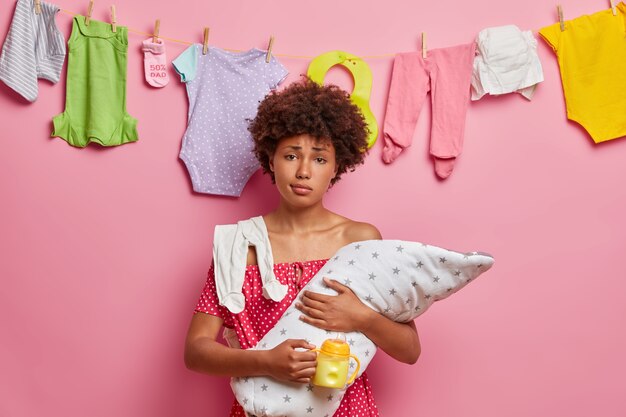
x=224, y=90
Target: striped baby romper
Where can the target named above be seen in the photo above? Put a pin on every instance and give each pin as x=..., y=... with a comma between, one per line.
x=34, y=48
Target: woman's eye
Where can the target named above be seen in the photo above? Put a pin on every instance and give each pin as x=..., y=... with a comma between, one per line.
x=290, y=157
x=321, y=160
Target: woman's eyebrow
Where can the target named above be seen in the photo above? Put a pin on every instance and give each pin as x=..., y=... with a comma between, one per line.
x=324, y=149
x=299, y=148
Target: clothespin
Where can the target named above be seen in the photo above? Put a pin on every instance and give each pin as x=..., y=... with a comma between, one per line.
x=113, y=19
x=37, y=6
x=423, y=45
x=157, y=27
x=89, y=12
x=269, y=50
x=205, y=44
x=559, y=11
x=613, y=8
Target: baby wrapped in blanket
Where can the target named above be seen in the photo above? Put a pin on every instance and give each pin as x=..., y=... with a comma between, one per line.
x=399, y=279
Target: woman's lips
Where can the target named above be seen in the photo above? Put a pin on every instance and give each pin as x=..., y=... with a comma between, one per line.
x=301, y=189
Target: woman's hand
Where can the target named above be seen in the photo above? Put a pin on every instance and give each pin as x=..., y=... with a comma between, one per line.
x=285, y=363
x=342, y=313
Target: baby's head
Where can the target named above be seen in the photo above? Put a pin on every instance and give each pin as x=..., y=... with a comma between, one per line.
x=324, y=112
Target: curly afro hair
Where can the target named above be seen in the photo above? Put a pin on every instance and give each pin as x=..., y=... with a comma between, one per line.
x=324, y=112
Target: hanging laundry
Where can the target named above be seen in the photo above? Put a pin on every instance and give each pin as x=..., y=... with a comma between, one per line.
x=95, y=102
x=506, y=61
x=224, y=90
x=591, y=53
x=34, y=48
x=155, y=62
x=446, y=73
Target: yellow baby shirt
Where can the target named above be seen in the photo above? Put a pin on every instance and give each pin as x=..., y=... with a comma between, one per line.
x=591, y=53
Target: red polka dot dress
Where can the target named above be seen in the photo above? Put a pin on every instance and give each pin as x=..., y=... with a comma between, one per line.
x=260, y=315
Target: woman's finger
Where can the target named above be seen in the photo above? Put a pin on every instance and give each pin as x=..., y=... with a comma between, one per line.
x=311, y=312
x=315, y=322
x=311, y=303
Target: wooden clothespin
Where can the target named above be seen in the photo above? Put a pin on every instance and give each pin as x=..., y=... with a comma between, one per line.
x=113, y=19
x=613, y=7
x=268, y=56
x=157, y=27
x=89, y=12
x=559, y=11
x=423, y=45
x=205, y=43
x=37, y=6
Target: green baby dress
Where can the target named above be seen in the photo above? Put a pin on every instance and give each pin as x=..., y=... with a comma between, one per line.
x=95, y=103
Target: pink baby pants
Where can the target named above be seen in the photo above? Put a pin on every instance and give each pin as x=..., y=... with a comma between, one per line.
x=446, y=73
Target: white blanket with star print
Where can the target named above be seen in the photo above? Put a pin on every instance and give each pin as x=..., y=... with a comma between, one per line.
x=398, y=279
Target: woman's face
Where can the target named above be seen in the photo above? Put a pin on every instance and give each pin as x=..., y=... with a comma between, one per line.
x=303, y=167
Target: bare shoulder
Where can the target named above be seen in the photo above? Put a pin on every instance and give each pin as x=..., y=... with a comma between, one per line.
x=356, y=231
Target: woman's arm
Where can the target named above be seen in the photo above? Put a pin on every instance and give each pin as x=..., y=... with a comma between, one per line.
x=398, y=340
x=204, y=354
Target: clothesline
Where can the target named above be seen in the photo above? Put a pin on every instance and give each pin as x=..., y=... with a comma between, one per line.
x=384, y=56
x=139, y=32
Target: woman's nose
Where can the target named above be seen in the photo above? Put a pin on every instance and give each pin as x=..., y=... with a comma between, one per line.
x=303, y=172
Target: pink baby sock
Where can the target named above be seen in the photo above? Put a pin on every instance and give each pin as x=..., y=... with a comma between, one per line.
x=155, y=63
x=444, y=166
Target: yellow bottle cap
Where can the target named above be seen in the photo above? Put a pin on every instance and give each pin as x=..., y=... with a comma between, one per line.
x=335, y=347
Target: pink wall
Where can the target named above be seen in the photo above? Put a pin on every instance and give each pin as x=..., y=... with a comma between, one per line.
x=104, y=251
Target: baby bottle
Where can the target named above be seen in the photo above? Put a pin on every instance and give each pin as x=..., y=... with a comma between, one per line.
x=332, y=364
